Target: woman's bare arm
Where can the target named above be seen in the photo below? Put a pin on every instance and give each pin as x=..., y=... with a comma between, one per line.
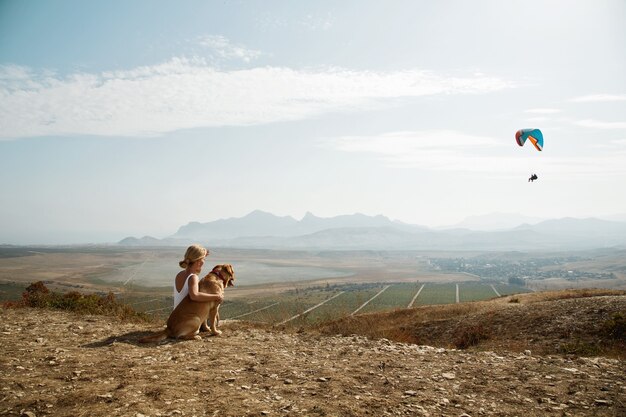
x=196, y=295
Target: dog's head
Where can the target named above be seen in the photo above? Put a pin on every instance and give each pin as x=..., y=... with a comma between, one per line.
x=225, y=273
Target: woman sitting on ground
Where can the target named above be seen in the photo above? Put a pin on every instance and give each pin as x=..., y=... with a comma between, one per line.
x=186, y=282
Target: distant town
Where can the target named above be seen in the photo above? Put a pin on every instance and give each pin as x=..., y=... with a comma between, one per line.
x=519, y=271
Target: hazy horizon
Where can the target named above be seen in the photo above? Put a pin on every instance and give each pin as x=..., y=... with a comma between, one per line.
x=129, y=119
x=481, y=223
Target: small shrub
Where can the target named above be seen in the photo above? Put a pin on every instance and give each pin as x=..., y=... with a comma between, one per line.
x=11, y=304
x=470, y=336
x=615, y=327
x=514, y=300
x=579, y=348
x=36, y=295
x=39, y=296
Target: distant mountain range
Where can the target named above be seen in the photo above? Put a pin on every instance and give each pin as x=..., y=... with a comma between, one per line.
x=264, y=230
x=494, y=221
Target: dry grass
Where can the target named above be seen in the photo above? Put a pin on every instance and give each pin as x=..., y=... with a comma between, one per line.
x=583, y=322
x=579, y=322
x=561, y=295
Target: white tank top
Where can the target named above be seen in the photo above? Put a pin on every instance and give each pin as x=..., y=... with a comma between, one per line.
x=179, y=296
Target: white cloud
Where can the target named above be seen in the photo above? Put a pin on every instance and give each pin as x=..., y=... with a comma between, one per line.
x=225, y=49
x=183, y=93
x=537, y=119
x=412, y=141
x=440, y=150
x=14, y=72
x=599, y=98
x=543, y=111
x=597, y=124
x=316, y=22
x=311, y=22
x=453, y=151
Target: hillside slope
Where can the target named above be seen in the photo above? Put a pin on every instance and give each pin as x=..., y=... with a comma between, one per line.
x=572, y=321
x=61, y=364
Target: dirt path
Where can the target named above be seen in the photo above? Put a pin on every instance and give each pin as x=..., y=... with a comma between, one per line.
x=371, y=299
x=312, y=308
x=59, y=364
x=417, y=294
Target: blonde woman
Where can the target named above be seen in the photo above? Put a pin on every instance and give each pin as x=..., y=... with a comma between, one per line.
x=186, y=282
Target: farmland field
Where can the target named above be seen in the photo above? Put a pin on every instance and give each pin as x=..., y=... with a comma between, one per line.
x=345, y=303
x=345, y=300
x=327, y=303
x=396, y=296
x=305, y=286
x=505, y=289
x=437, y=294
x=475, y=291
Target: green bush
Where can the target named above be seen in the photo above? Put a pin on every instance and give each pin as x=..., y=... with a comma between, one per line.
x=39, y=296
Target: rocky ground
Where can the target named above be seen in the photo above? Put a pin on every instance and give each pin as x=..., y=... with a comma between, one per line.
x=60, y=364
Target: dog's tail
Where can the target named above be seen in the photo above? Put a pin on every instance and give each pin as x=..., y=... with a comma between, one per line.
x=157, y=337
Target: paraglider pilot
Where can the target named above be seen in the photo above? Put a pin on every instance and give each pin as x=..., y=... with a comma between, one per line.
x=532, y=178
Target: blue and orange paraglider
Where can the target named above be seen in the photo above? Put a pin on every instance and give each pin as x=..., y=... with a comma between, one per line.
x=535, y=137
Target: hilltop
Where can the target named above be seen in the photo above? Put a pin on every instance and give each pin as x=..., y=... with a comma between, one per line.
x=63, y=364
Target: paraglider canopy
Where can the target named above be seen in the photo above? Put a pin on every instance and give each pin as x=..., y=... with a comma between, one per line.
x=533, y=135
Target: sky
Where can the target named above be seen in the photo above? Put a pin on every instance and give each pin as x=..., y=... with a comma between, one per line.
x=132, y=118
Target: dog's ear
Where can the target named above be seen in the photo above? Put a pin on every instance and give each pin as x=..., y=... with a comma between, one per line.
x=231, y=271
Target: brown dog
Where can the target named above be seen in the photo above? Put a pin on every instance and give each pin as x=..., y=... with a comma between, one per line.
x=185, y=321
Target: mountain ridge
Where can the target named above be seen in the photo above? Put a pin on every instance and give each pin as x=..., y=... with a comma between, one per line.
x=265, y=230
